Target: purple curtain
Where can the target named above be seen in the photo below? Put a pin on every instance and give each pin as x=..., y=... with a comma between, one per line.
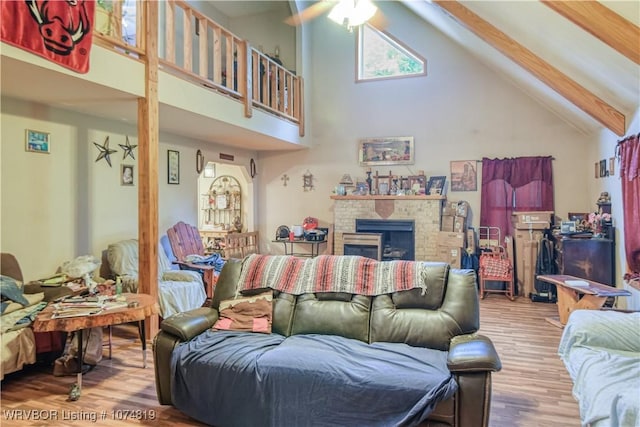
x=514, y=184
x=629, y=152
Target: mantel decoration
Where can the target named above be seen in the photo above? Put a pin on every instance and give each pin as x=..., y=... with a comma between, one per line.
x=436, y=185
x=127, y=148
x=173, y=167
x=37, y=142
x=105, y=151
x=393, y=185
x=386, y=151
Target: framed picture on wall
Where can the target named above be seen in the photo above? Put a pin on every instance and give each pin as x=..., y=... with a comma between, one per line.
x=37, y=142
x=173, y=167
x=386, y=151
x=126, y=174
x=464, y=176
x=603, y=168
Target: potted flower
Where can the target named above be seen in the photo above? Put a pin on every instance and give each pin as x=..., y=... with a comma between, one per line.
x=597, y=221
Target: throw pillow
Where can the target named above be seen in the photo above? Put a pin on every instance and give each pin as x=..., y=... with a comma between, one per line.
x=252, y=314
x=9, y=290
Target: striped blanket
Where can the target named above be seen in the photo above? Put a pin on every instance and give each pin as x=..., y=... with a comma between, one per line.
x=330, y=273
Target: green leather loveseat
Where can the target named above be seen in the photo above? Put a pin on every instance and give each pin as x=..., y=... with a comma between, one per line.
x=444, y=318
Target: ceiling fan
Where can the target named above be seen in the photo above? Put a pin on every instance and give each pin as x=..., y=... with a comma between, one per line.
x=350, y=13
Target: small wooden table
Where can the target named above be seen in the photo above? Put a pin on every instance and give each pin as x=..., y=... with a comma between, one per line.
x=146, y=307
x=591, y=297
x=313, y=244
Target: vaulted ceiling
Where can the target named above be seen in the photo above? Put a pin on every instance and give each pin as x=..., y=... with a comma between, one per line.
x=581, y=59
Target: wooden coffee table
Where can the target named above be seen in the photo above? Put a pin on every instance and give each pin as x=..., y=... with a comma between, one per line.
x=570, y=297
x=143, y=306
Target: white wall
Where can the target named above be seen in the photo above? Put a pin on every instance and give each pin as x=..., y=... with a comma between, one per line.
x=460, y=111
x=57, y=206
x=268, y=30
x=604, y=148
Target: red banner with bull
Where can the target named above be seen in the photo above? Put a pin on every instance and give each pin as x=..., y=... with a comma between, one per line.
x=59, y=30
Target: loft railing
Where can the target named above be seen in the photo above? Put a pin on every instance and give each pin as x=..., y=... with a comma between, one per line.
x=119, y=25
x=194, y=46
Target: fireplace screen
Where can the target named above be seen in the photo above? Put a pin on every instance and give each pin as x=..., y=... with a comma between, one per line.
x=364, y=244
x=398, y=240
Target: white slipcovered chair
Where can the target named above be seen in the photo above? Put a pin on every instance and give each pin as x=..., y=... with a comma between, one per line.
x=178, y=290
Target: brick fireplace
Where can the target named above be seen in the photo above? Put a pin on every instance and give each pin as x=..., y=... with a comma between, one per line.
x=424, y=211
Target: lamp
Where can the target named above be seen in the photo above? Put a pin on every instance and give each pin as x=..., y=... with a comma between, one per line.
x=352, y=13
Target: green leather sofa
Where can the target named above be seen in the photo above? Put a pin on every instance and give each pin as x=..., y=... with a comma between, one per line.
x=445, y=318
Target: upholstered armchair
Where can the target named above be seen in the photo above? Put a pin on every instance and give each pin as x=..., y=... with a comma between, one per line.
x=178, y=290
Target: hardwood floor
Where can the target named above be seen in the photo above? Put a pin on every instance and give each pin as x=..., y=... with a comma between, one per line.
x=533, y=388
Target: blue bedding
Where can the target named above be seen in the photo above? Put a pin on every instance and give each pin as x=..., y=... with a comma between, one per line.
x=227, y=378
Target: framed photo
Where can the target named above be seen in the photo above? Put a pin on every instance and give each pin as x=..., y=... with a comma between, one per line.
x=418, y=184
x=126, y=175
x=603, y=168
x=173, y=167
x=464, y=176
x=386, y=151
x=597, y=170
x=37, y=142
x=436, y=185
x=567, y=227
x=612, y=166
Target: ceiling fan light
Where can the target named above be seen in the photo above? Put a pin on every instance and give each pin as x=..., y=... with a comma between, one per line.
x=362, y=12
x=352, y=13
x=340, y=12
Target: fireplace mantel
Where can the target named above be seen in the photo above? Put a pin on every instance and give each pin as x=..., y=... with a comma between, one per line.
x=378, y=197
x=425, y=210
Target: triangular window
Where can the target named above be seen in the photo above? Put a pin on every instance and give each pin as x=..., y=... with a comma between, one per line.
x=380, y=56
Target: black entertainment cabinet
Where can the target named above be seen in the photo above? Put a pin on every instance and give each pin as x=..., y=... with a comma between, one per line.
x=592, y=259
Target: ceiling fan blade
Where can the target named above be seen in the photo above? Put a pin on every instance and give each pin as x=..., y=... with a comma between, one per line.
x=378, y=21
x=309, y=13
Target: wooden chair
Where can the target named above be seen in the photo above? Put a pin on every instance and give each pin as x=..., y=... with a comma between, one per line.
x=495, y=266
x=185, y=240
x=239, y=245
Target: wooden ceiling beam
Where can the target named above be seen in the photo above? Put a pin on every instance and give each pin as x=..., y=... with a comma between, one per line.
x=591, y=104
x=603, y=23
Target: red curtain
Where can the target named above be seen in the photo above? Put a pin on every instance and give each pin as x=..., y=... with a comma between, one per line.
x=629, y=152
x=514, y=184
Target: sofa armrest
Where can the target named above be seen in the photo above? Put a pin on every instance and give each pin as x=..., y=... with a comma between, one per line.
x=190, y=323
x=472, y=352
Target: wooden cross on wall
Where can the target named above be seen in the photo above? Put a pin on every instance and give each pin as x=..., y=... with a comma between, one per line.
x=284, y=179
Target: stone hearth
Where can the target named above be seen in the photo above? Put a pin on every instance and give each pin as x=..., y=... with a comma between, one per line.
x=424, y=210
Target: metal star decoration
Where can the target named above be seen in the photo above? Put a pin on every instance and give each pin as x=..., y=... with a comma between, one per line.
x=128, y=149
x=105, y=151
